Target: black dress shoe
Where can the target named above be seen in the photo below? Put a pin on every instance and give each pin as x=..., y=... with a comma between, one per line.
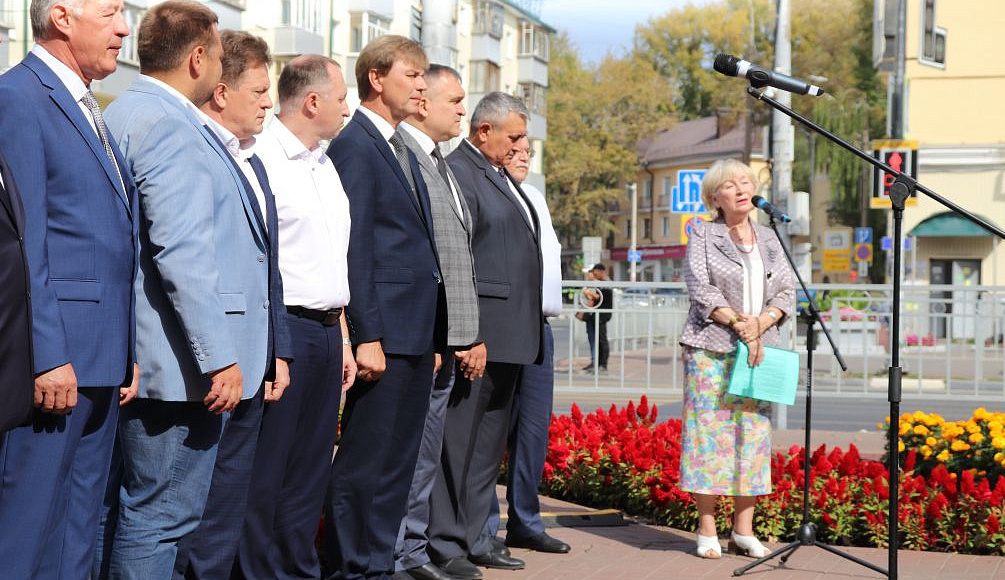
x=460, y=568
x=539, y=543
x=430, y=571
x=498, y=560
x=498, y=545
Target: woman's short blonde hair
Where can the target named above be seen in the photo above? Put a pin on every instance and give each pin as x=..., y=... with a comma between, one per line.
x=720, y=172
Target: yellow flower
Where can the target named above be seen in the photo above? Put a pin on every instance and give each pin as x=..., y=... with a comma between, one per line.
x=998, y=442
x=999, y=456
x=900, y=446
x=973, y=427
x=926, y=451
x=981, y=414
x=931, y=441
x=943, y=455
x=920, y=430
x=960, y=445
x=976, y=438
x=905, y=428
x=995, y=425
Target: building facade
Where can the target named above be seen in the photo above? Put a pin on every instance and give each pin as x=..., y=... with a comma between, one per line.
x=496, y=45
x=951, y=91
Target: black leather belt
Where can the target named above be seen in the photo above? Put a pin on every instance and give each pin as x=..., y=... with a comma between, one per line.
x=325, y=317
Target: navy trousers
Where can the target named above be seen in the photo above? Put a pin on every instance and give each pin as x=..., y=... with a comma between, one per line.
x=381, y=430
x=52, y=479
x=208, y=552
x=293, y=461
x=410, y=551
x=528, y=447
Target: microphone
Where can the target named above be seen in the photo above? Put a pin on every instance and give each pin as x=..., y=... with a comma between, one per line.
x=731, y=66
x=771, y=210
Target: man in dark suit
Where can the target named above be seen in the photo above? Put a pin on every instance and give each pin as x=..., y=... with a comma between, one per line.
x=438, y=120
x=16, y=384
x=506, y=246
x=395, y=314
x=80, y=238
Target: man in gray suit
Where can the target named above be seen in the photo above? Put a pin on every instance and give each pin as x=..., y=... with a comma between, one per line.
x=506, y=245
x=438, y=120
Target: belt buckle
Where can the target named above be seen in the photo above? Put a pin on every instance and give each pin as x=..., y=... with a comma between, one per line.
x=331, y=317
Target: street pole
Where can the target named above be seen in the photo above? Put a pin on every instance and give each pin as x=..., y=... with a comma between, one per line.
x=634, y=192
x=781, y=125
x=897, y=97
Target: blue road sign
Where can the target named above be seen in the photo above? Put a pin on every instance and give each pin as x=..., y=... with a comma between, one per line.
x=634, y=256
x=863, y=235
x=886, y=243
x=687, y=194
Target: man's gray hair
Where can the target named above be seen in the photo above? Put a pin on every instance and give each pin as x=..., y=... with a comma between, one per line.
x=39, y=12
x=495, y=107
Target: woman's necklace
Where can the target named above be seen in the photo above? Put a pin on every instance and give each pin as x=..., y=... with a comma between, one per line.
x=753, y=242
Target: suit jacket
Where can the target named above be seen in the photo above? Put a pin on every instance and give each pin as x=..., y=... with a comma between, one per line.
x=79, y=229
x=452, y=232
x=507, y=249
x=394, y=276
x=203, y=286
x=16, y=383
x=714, y=275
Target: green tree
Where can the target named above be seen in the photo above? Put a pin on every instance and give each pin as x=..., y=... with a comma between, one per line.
x=596, y=115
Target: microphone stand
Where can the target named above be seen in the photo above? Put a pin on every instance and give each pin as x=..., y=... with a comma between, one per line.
x=807, y=535
x=902, y=188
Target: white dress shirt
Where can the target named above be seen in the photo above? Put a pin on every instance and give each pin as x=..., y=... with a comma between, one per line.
x=753, y=278
x=185, y=101
x=551, y=254
x=242, y=152
x=313, y=220
x=427, y=145
x=70, y=80
x=383, y=127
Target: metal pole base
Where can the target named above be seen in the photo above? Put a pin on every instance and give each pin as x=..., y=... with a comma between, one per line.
x=807, y=536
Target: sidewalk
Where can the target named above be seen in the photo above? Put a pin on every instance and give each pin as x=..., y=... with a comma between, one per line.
x=647, y=552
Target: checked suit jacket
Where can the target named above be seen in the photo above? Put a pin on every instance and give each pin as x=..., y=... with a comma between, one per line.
x=452, y=234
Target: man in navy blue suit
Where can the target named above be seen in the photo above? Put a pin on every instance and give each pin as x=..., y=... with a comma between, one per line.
x=395, y=314
x=80, y=237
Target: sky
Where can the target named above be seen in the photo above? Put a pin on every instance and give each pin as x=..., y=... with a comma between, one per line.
x=599, y=26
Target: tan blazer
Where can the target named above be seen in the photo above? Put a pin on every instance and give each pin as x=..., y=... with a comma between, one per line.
x=714, y=275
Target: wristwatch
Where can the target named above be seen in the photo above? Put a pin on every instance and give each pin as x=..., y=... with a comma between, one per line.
x=772, y=314
x=732, y=321
x=346, y=342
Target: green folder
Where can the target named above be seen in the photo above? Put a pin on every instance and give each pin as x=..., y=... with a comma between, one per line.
x=775, y=379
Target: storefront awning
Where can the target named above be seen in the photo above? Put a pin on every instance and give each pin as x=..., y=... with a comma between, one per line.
x=949, y=224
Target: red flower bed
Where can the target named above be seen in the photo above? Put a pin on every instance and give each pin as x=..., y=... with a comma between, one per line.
x=624, y=458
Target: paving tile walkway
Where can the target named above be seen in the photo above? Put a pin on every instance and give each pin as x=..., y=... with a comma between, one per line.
x=647, y=552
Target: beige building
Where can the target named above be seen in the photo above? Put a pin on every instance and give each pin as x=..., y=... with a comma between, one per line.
x=495, y=44
x=671, y=163
x=954, y=83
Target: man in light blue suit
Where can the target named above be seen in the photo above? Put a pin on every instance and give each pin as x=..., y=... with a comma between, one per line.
x=203, y=309
x=80, y=243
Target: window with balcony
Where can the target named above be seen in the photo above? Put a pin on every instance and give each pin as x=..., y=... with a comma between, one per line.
x=534, y=41
x=666, y=226
x=488, y=18
x=484, y=77
x=933, y=38
x=667, y=192
x=128, y=52
x=364, y=27
x=304, y=14
x=415, y=25
x=647, y=193
x=535, y=96
x=647, y=228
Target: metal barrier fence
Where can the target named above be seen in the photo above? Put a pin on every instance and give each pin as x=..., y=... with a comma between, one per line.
x=951, y=340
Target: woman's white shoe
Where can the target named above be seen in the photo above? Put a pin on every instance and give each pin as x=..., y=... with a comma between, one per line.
x=709, y=547
x=748, y=545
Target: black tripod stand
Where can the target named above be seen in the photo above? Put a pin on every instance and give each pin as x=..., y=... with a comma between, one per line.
x=807, y=535
x=903, y=187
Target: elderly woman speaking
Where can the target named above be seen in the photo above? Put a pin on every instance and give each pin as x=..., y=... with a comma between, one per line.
x=741, y=288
